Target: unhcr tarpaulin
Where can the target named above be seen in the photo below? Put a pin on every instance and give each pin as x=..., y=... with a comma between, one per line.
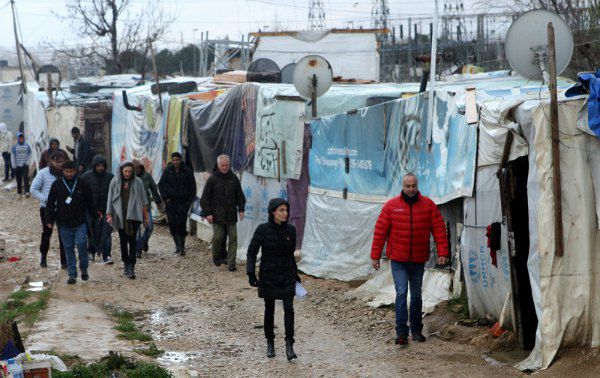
x=11, y=105
x=347, y=149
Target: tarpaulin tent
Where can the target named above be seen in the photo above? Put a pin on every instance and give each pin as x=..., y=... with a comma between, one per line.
x=11, y=105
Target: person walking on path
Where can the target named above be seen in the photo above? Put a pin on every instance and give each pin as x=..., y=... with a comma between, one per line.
x=143, y=237
x=126, y=209
x=40, y=189
x=405, y=224
x=45, y=158
x=98, y=178
x=82, y=152
x=223, y=201
x=68, y=202
x=278, y=272
x=6, y=143
x=20, y=159
x=177, y=188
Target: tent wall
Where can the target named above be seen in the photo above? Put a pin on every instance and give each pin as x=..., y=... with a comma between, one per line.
x=11, y=105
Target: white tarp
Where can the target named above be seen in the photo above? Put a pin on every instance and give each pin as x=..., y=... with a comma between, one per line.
x=569, y=284
x=487, y=285
x=379, y=289
x=36, y=127
x=60, y=122
x=337, y=238
x=351, y=55
x=11, y=105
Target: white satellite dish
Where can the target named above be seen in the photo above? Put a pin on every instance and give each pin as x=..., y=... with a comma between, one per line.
x=527, y=43
x=312, y=78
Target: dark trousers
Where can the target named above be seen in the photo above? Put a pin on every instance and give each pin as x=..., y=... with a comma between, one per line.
x=9, y=172
x=22, y=175
x=128, y=244
x=99, y=238
x=177, y=213
x=45, y=242
x=288, y=318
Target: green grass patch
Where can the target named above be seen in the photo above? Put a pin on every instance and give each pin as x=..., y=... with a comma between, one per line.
x=24, y=306
x=127, y=329
x=152, y=351
x=460, y=305
x=114, y=365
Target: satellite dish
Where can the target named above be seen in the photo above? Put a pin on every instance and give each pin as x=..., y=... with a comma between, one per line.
x=527, y=43
x=49, y=77
x=312, y=78
x=287, y=73
x=263, y=70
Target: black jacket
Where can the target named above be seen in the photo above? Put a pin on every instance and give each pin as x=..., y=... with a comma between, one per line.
x=84, y=153
x=223, y=197
x=177, y=186
x=98, y=184
x=278, y=271
x=74, y=213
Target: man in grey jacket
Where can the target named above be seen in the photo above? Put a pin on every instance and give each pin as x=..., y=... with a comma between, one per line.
x=40, y=188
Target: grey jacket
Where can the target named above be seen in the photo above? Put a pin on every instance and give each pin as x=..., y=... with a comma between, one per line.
x=137, y=202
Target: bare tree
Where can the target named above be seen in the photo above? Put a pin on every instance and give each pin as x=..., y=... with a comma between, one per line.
x=108, y=28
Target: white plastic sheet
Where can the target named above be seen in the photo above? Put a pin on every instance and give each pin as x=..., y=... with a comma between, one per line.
x=60, y=122
x=36, y=127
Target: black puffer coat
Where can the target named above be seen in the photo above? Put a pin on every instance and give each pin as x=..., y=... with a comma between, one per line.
x=99, y=184
x=223, y=197
x=278, y=271
x=177, y=186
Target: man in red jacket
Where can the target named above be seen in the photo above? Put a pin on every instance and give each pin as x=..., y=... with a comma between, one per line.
x=405, y=223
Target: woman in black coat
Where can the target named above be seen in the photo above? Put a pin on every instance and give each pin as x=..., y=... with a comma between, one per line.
x=278, y=271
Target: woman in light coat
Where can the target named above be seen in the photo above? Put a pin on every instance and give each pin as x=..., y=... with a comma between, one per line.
x=125, y=211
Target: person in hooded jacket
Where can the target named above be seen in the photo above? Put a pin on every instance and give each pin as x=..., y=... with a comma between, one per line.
x=20, y=159
x=178, y=190
x=278, y=272
x=126, y=209
x=6, y=143
x=223, y=201
x=143, y=237
x=45, y=158
x=99, y=178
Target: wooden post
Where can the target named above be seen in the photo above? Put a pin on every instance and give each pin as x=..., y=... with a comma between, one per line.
x=23, y=80
x=156, y=76
x=558, y=222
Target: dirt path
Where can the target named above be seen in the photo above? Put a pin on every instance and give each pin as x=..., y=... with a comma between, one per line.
x=210, y=321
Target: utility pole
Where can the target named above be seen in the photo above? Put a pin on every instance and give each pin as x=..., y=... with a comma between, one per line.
x=23, y=80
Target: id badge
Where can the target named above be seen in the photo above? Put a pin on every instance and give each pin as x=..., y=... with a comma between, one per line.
x=68, y=200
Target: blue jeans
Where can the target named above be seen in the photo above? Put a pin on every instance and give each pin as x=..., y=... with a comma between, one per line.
x=144, y=236
x=71, y=237
x=405, y=274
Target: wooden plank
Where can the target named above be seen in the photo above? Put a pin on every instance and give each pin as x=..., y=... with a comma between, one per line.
x=471, y=106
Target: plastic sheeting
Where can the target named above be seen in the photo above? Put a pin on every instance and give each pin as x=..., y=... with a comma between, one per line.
x=337, y=238
x=298, y=192
x=568, y=285
x=279, y=135
x=347, y=148
x=351, y=55
x=36, y=127
x=487, y=285
x=11, y=105
x=60, y=122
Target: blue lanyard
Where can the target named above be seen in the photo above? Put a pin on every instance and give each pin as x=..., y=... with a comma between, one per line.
x=69, y=189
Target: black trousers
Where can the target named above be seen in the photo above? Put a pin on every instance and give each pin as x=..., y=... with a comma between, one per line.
x=45, y=242
x=128, y=244
x=288, y=318
x=9, y=172
x=22, y=175
x=177, y=216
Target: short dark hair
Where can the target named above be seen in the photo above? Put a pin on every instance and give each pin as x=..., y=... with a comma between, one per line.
x=69, y=164
x=75, y=130
x=59, y=155
x=176, y=154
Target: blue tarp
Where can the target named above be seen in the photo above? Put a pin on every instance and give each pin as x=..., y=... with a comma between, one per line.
x=369, y=151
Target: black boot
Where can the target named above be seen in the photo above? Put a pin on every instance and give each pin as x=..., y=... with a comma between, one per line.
x=126, y=270
x=177, y=244
x=182, y=245
x=132, y=271
x=270, y=348
x=43, y=262
x=289, y=350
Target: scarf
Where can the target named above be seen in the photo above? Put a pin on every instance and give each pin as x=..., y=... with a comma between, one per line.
x=410, y=200
x=125, y=193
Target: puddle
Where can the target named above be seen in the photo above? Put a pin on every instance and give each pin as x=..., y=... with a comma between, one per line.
x=177, y=358
x=159, y=326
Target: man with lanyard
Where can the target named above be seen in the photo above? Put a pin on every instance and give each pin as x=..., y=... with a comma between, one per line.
x=68, y=201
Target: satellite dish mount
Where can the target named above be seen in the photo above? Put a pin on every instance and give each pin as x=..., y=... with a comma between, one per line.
x=312, y=78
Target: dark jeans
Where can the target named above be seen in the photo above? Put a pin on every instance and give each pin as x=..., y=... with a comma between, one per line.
x=45, y=242
x=128, y=244
x=22, y=175
x=9, y=172
x=75, y=237
x=288, y=318
x=405, y=274
x=99, y=236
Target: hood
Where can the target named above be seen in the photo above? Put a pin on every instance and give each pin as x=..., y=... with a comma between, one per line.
x=137, y=163
x=20, y=135
x=99, y=159
x=3, y=127
x=52, y=140
x=274, y=204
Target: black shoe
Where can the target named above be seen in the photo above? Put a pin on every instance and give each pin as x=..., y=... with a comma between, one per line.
x=138, y=254
x=85, y=276
x=145, y=248
x=177, y=244
x=402, y=341
x=232, y=269
x=289, y=350
x=126, y=270
x=217, y=262
x=63, y=266
x=71, y=281
x=43, y=263
x=270, y=348
x=418, y=336
x=182, y=245
x=131, y=272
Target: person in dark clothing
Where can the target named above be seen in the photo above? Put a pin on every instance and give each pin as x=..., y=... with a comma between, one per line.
x=98, y=178
x=223, y=201
x=20, y=158
x=143, y=237
x=178, y=190
x=82, y=151
x=45, y=158
x=68, y=202
x=278, y=271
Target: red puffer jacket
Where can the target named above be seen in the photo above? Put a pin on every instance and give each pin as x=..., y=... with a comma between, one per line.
x=406, y=229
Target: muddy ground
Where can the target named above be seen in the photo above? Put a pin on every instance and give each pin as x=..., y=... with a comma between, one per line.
x=209, y=321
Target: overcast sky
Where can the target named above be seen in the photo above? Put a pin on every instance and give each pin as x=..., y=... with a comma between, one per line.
x=38, y=24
